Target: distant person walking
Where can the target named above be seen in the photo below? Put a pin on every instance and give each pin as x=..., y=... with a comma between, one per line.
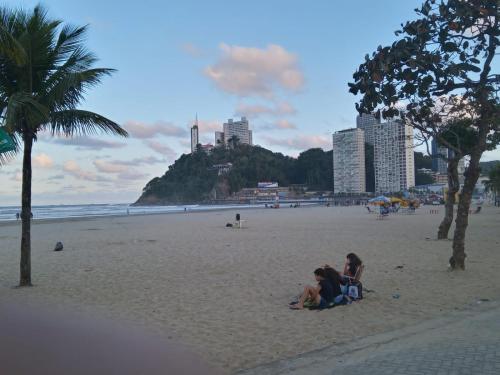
x=17, y=215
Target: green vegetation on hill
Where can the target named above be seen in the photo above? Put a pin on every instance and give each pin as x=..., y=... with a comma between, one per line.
x=192, y=179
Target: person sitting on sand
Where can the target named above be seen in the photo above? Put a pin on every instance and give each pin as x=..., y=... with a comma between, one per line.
x=352, y=267
x=320, y=295
x=352, y=273
x=335, y=279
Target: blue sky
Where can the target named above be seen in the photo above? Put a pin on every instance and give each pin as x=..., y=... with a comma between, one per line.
x=283, y=64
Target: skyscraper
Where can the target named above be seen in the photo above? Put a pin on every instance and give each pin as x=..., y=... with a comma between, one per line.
x=194, y=136
x=393, y=149
x=366, y=122
x=232, y=129
x=349, y=161
x=440, y=155
x=239, y=129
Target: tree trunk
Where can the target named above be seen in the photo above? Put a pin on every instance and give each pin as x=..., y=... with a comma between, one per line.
x=25, y=271
x=457, y=261
x=453, y=188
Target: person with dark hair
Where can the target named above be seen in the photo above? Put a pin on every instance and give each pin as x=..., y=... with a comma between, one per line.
x=336, y=280
x=352, y=275
x=352, y=266
x=320, y=295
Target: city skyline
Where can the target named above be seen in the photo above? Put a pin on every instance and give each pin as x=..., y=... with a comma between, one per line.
x=289, y=79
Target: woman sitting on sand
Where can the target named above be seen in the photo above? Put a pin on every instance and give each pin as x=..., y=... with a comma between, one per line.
x=335, y=279
x=352, y=267
x=352, y=274
x=320, y=295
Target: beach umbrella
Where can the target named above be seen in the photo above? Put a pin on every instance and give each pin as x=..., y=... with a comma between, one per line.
x=396, y=200
x=380, y=200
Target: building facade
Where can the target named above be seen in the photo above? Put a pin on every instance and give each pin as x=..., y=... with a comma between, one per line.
x=366, y=122
x=394, y=164
x=349, y=161
x=239, y=129
x=194, y=137
x=439, y=157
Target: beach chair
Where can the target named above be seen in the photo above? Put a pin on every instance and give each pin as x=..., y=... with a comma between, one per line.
x=354, y=282
x=370, y=211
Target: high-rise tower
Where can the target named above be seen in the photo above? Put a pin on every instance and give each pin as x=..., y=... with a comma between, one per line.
x=194, y=135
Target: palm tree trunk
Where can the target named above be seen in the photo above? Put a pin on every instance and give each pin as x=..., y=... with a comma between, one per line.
x=457, y=261
x=453, y=187
x=25, y=269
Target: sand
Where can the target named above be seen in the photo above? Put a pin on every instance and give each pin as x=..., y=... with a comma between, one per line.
x=224, y=292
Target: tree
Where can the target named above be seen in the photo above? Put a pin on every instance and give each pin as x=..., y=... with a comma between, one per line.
x=447, y=52
x=44, y=72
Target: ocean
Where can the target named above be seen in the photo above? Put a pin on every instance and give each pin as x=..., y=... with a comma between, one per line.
x=8, y=213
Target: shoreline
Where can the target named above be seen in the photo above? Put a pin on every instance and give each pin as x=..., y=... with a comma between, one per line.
x=14, y=222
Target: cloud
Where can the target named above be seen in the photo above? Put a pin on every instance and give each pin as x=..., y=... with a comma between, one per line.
x=147, y=131
x=43, y=161
x=161, y=148
x=132, y=175
x=56, y=177
x=72, y=168
x=205, y=126
x=109, y=167
x=254, y=111
x=86, y=143
x=303, y=142
x=122, y=166
x=284, y=124
x=250, y=71
x=191, y=49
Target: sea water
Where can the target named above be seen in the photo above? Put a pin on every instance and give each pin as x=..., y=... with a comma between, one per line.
x=8, y=213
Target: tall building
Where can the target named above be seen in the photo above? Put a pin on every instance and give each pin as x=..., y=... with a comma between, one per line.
x=366, y=122
x=239, y=129
x=194, y=136
x=393, y=149
x=439, y=157
x=219, y=138
x=349, y=161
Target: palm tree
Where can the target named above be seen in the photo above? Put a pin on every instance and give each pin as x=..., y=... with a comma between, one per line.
x=45, y=70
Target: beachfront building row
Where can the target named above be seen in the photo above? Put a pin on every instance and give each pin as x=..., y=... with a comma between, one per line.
x=349, y=161
x=392, y=143
x=230, y=129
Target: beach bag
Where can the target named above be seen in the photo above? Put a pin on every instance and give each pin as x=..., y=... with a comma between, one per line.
x=355, y=291
x=352, y=292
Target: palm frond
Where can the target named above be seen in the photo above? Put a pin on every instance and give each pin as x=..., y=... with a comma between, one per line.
x=79, y=122
x=71, y=87
x=70, y=38
x=9, y=47
x=23, y=110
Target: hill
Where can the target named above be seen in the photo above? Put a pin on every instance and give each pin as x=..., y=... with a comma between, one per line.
x=193, y=179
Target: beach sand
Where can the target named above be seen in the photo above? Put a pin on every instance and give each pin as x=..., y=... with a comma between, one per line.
x=224, y=292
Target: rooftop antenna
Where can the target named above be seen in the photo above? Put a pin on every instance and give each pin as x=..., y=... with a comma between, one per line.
x=196, y=122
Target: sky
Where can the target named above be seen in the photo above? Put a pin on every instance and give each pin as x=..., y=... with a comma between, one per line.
x=284, y=64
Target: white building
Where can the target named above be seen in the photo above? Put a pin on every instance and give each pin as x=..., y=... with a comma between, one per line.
x=393, y=149
x=366, y=122
x=194, y=137
x=349, y=161
x=239, y=129
x=219, y=138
